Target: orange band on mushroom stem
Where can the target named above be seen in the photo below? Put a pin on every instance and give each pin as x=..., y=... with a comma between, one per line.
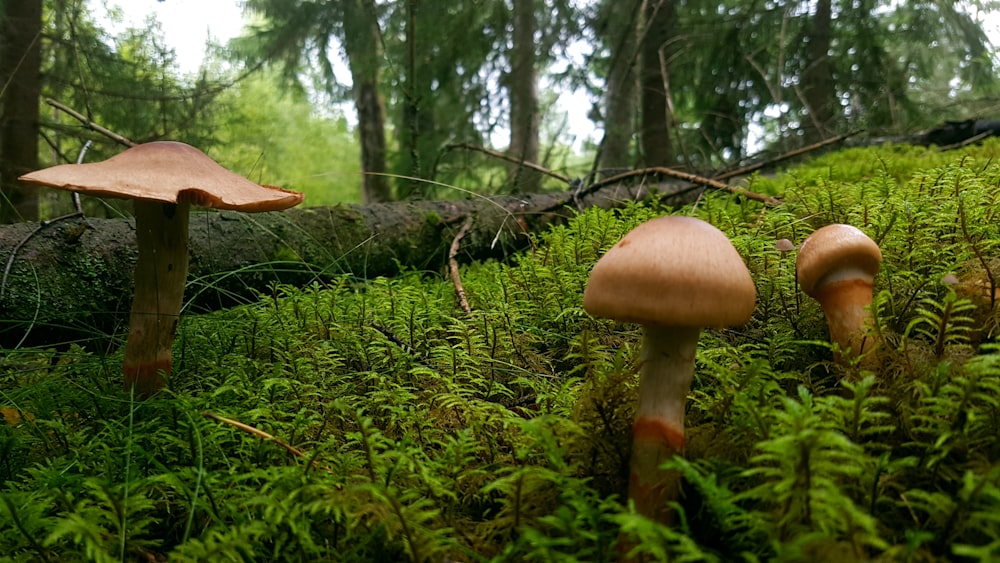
x=651, y=488
x=160, y=274
x=164, y=178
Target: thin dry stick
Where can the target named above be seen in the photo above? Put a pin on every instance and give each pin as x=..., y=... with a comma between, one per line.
x=391, y=337
x=453, y=264
x=519, y=162
x=251, y=430
x=687, y=177
x=668, y=98
x=969, y=141
x=785, y=156
x=78, y=213
x=90, y=124
x=812, y=116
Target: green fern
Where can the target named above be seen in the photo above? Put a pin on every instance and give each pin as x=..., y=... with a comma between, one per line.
x=945, y=324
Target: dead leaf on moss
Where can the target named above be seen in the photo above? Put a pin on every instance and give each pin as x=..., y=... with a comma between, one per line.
x=14, y=416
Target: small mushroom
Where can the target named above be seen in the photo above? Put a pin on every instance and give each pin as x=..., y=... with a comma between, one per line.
x=836, y=266
x=673, y=275
x=784, y=245
x=163, y=179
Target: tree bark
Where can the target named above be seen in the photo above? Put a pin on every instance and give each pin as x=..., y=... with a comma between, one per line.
x=622, y=36
x=523, y=89
x=73, y=279
x=656, y=145
x=362, y=46
x=20, y=84
x=818, y=87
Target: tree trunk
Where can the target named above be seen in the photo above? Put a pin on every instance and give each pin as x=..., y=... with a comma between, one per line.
x=73, y=279
x=622, y=36
x=20, y=77
x=411, y=109
x=362, y=46
x=656, y=144
x=418, y=135
x=523, y=89
x=818, y=86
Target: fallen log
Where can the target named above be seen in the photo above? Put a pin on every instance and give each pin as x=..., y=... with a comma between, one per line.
x=71, y=279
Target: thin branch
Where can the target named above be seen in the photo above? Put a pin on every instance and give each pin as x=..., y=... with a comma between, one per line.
x=512, y=160
x=256, y=432
x=392, y=337
x=453, y=264
x=78, y=213
x=687, y=177
x=785, y=156
x=90, y=124
x=970, y=141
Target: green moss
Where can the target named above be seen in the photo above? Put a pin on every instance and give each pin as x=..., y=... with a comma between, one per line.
x=433, y=219
x=429, y=433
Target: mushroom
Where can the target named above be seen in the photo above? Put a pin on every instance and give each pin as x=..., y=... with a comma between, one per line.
x=836, y=266
x=673, y=275
x=164, y=179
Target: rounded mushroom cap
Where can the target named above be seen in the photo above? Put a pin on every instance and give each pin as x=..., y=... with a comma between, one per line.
x=836, y=253
x=672, y=271
x=166, y=171
x=784, y=245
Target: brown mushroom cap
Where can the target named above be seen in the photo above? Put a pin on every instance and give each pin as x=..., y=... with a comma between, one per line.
x=834, y=253
x=784, y=245
x=672, y=271
x=166, y=171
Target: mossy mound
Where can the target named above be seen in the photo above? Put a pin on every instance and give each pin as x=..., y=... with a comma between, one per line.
x=429, y=434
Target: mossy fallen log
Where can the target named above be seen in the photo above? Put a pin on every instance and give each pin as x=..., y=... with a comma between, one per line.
x=72, y=279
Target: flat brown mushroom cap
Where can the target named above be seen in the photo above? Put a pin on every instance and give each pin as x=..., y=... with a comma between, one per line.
x=834, y=249
x=166, y=171
x=672, y=271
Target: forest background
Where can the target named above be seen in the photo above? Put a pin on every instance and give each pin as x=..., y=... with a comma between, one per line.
x=365, y=100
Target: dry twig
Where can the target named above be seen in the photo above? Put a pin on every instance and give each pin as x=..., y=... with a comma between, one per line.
x=453, y=264
x=512, y=160
x=78, y=213
x=785, y=156
x=687, y=177
x=970, y=141
x=90, y=124
x=256, y=432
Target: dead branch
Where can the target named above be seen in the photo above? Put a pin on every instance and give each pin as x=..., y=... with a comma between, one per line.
x=687, y=177
x=512, y=160
x=456, y=279
x=785, y=156
x=90, y=124
x=256, y=432
x=970, y=141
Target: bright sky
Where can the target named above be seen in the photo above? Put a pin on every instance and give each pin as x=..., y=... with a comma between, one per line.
x=186, y=23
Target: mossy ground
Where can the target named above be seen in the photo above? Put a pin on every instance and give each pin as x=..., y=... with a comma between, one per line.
x=429, y=434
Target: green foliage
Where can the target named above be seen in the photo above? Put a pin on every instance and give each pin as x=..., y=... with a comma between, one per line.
x=402, y=428
x=127, y=83
x=741, y=72
x=274, y=136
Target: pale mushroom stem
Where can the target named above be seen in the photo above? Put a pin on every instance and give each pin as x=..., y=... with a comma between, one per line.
x=658, y=431
x=846, y=306
x=160, y=273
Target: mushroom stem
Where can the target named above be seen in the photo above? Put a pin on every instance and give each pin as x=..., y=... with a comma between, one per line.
x=846, y=306
x=658, y=430
x=160, y=273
